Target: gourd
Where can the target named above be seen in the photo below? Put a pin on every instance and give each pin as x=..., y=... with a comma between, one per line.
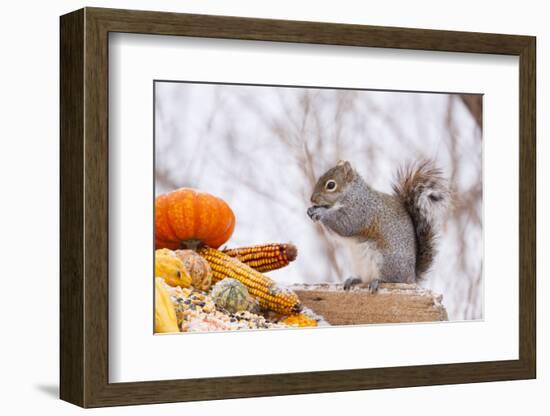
x=171, y=268
x=187, y=218
x=165, y=313
x=232, y=295
x=197, y=267
x=261, y=287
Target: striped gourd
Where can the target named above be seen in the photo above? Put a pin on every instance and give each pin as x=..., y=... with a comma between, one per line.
x=264, y=257
x=261, y=287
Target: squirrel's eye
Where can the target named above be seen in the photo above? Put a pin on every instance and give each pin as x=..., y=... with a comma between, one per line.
x=330, y=185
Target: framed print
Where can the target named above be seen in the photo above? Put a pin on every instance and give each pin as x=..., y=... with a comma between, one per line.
x=297, y=207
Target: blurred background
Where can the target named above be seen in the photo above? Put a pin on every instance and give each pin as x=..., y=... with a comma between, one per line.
x=262, y=149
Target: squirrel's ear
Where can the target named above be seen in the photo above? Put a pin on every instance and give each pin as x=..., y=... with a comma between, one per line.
x=346, y=165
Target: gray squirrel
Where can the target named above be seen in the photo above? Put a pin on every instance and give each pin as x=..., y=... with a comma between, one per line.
x=394, y=235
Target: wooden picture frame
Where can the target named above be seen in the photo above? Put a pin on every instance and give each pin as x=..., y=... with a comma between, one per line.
x=84, y=207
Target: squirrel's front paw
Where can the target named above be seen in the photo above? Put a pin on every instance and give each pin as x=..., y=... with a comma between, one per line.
x=316, y=212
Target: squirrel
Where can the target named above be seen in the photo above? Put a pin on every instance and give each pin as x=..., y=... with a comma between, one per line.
x=394, y=235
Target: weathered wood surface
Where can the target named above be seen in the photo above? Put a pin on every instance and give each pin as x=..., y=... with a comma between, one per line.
x=393, y=303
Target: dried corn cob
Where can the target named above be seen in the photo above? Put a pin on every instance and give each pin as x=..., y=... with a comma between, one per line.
x=261, y=287
x=300, y=320
x=264, y=257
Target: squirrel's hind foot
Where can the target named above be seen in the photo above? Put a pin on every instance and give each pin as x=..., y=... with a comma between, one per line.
x=351, y=282
x=371, y=286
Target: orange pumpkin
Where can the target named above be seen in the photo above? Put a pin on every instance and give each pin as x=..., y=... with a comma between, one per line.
x=185, y=218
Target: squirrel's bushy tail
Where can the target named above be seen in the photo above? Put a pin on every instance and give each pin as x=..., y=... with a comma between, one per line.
x=425, y=194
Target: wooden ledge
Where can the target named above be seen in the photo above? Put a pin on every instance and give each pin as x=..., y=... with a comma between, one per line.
x=394, y=303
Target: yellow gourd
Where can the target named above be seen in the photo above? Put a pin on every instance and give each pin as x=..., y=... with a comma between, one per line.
x=171, y=268
x=165, y=313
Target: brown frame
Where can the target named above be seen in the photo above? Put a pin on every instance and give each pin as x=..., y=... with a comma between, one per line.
x=84, y=207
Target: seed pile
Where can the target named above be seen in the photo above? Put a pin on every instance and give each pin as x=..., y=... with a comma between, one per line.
x=212, y=290
x=197, y=312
